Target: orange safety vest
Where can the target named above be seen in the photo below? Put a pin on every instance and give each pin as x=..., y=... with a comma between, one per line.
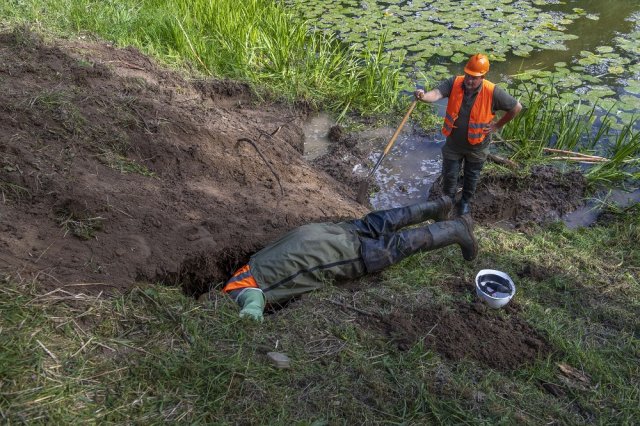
x=242, y=278
x=481, y=114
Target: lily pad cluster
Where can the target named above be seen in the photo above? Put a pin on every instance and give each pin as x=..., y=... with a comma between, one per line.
x=435, y=36
x=591, y=77
x=442, y=30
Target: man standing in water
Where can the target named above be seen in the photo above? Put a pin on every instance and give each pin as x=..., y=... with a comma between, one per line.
x=468, y=124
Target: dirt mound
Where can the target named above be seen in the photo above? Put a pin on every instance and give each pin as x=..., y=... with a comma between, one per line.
x=343, y=156
x=113, y=169
x=466, y=330
x=513, y=200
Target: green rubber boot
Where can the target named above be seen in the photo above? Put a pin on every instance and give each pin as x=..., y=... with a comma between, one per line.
x=252, y=302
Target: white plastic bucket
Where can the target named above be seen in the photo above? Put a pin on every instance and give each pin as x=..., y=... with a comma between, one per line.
x=494, y=287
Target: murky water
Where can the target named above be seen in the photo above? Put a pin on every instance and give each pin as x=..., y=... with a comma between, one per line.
x=590, y=47
x=408, y=171
x=589, y=213
x=316, y=131
x=414, y=162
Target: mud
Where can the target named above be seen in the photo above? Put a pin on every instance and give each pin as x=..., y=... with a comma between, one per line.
x=497, y=339
x=113, y=170
x=523, y=200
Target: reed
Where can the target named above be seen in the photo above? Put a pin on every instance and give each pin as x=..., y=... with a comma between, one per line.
x=546, y=122
x=256, y=41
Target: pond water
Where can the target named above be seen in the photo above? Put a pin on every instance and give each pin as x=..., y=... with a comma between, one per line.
x=591, y=48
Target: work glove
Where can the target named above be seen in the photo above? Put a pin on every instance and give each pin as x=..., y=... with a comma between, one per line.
x=252, y=302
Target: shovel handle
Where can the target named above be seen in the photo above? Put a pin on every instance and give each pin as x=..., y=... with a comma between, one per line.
x=394, y=137
x=402, y=123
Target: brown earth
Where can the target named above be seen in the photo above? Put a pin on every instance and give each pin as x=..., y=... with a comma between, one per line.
x=500, y=339
x=115, y=170
x=466, y=331
x=520, y=200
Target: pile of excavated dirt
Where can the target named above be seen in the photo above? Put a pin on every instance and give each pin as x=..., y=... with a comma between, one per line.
x=113, y=169
x=516, y=201
x=500, y=339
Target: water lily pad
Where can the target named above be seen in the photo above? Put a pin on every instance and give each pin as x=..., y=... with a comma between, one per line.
x=521, y=53
x=633, y=87
x=604, y=49
x=606, y=104
x=630, y=103
x=616, y=69
x=458, y=58
x=444, y=33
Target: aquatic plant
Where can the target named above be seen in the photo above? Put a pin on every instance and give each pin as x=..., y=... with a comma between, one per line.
x=548, y=122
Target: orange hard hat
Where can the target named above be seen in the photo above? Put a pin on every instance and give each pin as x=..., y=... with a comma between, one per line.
x=477, y=65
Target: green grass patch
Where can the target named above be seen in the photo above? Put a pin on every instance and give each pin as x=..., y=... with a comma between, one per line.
x=12, y=191
x=82, y=226
x=257, y=41
x=125, y=165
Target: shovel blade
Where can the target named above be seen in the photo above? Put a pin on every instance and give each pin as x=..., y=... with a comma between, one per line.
x=363, y=191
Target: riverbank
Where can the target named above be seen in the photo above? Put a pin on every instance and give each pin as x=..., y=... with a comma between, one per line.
x=128, y=189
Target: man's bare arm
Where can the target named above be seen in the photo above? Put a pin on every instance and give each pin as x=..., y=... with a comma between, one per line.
x=507, y=117
x=428, y=97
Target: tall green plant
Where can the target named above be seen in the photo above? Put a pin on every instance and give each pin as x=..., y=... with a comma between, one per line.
x=547, y=122
x=257, y=41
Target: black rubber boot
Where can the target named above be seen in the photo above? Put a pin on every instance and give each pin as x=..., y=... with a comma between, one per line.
x=384, y=222
x=463, y=208
x=459, y=231
x=380, y=253
x=450, y=174
x=471, y=177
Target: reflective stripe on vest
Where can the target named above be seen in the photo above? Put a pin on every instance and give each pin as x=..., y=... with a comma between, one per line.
x=242, y=278
x=480, y=115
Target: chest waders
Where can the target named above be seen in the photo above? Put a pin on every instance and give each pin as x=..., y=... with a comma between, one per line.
x=384, y=242
x=312, y=255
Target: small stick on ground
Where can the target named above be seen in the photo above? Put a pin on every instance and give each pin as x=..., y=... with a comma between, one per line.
x=360, y=311
x=263, y=159
x=575, y=154
x=504, y=161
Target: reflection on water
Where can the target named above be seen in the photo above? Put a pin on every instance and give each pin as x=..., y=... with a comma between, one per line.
x=407, y=172
x=613, y=19
x=316, y=131
x=588, y=214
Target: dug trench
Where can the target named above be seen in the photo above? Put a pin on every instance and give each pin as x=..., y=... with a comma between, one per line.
x=115, y=170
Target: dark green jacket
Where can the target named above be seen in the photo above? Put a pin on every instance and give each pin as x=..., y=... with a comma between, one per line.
x=307, y=258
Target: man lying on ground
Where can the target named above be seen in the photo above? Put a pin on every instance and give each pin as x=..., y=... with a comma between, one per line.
x=307, y=257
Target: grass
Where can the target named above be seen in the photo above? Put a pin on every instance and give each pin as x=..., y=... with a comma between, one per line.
x=12, y=191
x=154, y=355
x=546, y=122
x=257, y=41
x=260, y=42
x=124, y=165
